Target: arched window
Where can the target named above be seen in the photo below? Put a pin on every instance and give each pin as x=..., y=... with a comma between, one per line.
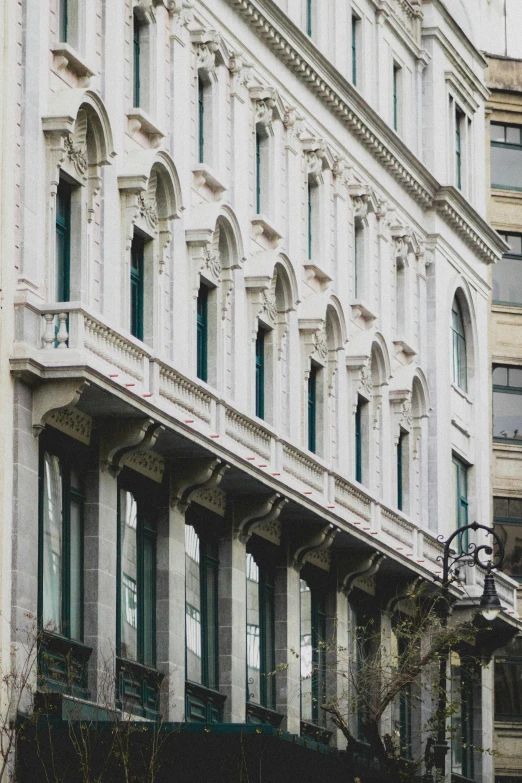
x=459, y=357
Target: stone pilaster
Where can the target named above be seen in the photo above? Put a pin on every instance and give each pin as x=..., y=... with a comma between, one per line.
x=288, y=638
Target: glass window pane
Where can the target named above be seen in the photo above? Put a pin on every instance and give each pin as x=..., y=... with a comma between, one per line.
x=498, y=132
x=515, y=244
x=500, y=376
x=507, y=281
x=52, y=544
x=511, y=537
x=129, y=576
x=508, y=689
x=76, y=630
x=193, y=605
x=507, y=415
x=269, y=647
x=512, y=135
x=211, y=625
x=253, y=631
x=500, y=507
x=515, y=508
x=149, y=608
x=306, y=652
x=515, y=377
x=506, y=167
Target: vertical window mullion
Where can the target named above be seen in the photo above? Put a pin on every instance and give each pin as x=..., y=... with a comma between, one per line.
x=312, y=409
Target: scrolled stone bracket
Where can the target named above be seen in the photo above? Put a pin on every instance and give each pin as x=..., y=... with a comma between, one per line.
x=188, y=476
x=362, y=566
x=320, y=541
x=249, y=515
x=52, y=396
x=127, y=437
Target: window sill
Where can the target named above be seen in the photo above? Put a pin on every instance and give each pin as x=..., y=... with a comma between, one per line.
x=262, y=225
x=205, y=175
x=313, y=270
x=401, y=346
x=203, y=705
x=506, y=307
x=257, y=714
x=70, y=58
x=62, y=665
x=360, y=310
x=514, y=444
x=137, y=688
x=461, y=393
x=139, y=120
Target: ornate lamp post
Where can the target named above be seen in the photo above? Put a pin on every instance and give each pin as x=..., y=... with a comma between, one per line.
x=452, y=561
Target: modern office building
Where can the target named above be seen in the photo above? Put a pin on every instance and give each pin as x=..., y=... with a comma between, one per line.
x=250, y=355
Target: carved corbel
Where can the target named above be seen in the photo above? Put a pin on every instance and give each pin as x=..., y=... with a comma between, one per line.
x=52, y=396
x=342, y=172
x=206, y=44
x=361, y=566
x=405, y=591
x=187, y=476
x=251, y=514
x=315, y=158
x=400, y=402
x=241, y=72
x=126, y=437
x=320, y=541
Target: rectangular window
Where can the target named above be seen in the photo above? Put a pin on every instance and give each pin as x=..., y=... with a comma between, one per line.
x=201, y=120
x=460, y=494
x=260, y=635
x=63, y=20
x=397, y=74
x=309, y=214
x=400, y=466
x=202, y=333
x=136, y=629
x=61, y=548
x=507, y=273
x=506, y=156
x=312, y=654
x=462, y=723
x=201, y=606
x=136, y=44
x=507, y=518
x=63, y=242
x=258, y=172
x=355, y=30
x=260, y=373
x=359, y=440
x=312, y=409
x=459, y=123
x=507, y=403
x=358, y=260
x=309, y=11
x=402, y=708
x=508, y=682
x=137, y=286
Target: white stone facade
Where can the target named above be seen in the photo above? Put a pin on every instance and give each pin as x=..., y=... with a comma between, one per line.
x=333, y=172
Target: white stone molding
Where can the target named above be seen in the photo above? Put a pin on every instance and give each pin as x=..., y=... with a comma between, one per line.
x=400, y=404
x=358, y=567
x=212, y=498
x=319, y=541
x=189, y=476
x=124, y=437
x=250, y=514
x=53, y=396
x=72, y=422
x=147, y=463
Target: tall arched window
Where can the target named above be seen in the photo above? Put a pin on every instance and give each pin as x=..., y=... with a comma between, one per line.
x=458, y=338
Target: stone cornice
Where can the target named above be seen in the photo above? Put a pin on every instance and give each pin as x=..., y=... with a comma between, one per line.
x=302, y=57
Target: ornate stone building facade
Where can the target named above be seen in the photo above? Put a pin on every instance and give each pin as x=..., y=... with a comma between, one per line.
x=250, y=357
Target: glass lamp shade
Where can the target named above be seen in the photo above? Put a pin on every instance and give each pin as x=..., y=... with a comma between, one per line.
x=490, y=605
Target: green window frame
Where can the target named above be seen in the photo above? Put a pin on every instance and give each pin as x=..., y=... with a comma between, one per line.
x=260, y=373
x=507, y=404
x=506, y=156
x=260, y=640
x=459, y=118
x=137, y=286
x=312, y=654
x=396, y=72
x=64, y=20
x=358, y=442
x=460, y=487
x=201, y=120
x=309, y=217
x=400, y=468
x=202, y=333
x=136, y=49
x=136, y=576
x=60, y=545
x=355, y=24
x=259, y=141
x=462, y=720
x=312, y=408
x=309, y=11
x=201, y=609
x=507, y=520
x=507, y=273
x=63, y=242
x=458, y=347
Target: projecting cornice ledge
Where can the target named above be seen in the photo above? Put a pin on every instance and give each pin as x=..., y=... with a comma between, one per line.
x=303, y=58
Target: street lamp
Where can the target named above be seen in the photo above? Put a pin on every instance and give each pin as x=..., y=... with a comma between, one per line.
x=489, y=607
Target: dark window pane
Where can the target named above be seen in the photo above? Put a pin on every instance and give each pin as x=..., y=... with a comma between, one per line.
x=515, y=508
x=148, y=600
x=515, y=244
x=507, y=415
x=512, y=135
x=515, y=377
x=500, y=376
x=507, y=281
x=506, y=167
x=498, y=132
x=508, y=689
x=212, y=631
x=511, y=536
x=500, y=507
